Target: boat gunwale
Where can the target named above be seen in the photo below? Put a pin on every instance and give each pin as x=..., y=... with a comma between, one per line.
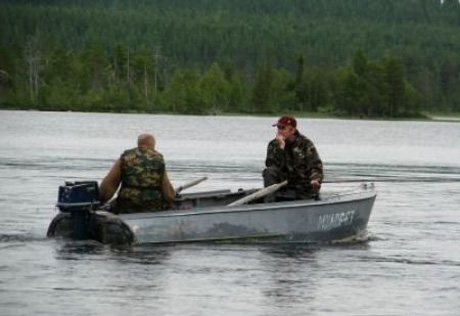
x=338, y=198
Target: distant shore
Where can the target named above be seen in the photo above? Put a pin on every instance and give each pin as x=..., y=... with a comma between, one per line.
x=425, y=116
x=443, y=117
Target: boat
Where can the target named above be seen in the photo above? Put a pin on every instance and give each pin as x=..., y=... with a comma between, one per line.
x=216, y=216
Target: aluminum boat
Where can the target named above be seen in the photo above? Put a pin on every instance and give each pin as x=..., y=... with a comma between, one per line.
x=216, y=216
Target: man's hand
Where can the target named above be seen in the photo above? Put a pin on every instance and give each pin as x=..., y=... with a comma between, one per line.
x=315, y=185
x=281, y=141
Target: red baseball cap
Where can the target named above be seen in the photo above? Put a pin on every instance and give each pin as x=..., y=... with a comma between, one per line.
x=286, y=120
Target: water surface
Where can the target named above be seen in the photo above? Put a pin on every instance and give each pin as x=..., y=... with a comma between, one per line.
x=409, y=264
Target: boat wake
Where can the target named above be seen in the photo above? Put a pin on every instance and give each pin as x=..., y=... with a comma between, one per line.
x=246, y=170
x=361, y=237
x=345, y=173
x=19, y=238
x=411, y=261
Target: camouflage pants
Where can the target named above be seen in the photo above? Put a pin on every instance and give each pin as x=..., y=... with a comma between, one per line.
x=295, y=190
x=120, y=206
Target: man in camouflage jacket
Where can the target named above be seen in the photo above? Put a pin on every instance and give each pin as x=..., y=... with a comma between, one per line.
x=293, y=157
x=145, y=186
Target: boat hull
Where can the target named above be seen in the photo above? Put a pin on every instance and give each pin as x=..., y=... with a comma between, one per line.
x=206, y=217
x=297, y=221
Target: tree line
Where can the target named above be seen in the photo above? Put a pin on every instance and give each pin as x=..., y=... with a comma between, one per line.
x=342, y=57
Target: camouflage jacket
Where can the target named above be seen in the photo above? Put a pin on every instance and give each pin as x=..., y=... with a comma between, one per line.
x=299, y=161
x=142, y=172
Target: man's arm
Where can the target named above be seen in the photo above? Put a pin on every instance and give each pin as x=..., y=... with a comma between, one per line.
x=275, y=155
x=316, y=168
x=110, y=183
x=167, y=189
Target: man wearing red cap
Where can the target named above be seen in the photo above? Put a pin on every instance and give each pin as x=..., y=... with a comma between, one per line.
x=293, y=157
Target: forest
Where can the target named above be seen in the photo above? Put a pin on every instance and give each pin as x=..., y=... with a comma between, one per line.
x=345, y=58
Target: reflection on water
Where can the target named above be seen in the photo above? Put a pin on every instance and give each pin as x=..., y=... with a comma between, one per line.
x=291, y=280
x=84, y=250
x=410, y=250
x=303, y=252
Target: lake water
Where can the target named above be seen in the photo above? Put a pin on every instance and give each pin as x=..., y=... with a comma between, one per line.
x=408, y=265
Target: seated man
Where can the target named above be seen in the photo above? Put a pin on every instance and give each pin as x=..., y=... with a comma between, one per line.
x=293, y=157
x=145, y=186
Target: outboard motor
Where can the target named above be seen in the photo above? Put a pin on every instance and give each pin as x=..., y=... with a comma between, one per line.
x=80, y=199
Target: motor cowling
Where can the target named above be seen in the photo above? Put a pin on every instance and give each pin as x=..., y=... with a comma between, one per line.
x=80, y=199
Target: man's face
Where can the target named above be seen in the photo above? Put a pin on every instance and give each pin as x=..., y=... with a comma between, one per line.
x=286, y=131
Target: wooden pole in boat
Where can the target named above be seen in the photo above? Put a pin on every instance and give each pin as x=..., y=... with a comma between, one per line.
x=190, y=184
x=258, y=194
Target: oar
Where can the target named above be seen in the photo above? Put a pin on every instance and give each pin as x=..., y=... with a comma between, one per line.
x=258, y=194
x=190, y=184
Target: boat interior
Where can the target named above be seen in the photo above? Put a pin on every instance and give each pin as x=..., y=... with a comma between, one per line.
x=188, y=201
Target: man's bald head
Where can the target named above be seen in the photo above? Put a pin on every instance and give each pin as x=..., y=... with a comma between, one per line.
x=146, y=140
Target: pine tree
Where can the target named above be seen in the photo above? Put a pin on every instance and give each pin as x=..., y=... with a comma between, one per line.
x=394, y=76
